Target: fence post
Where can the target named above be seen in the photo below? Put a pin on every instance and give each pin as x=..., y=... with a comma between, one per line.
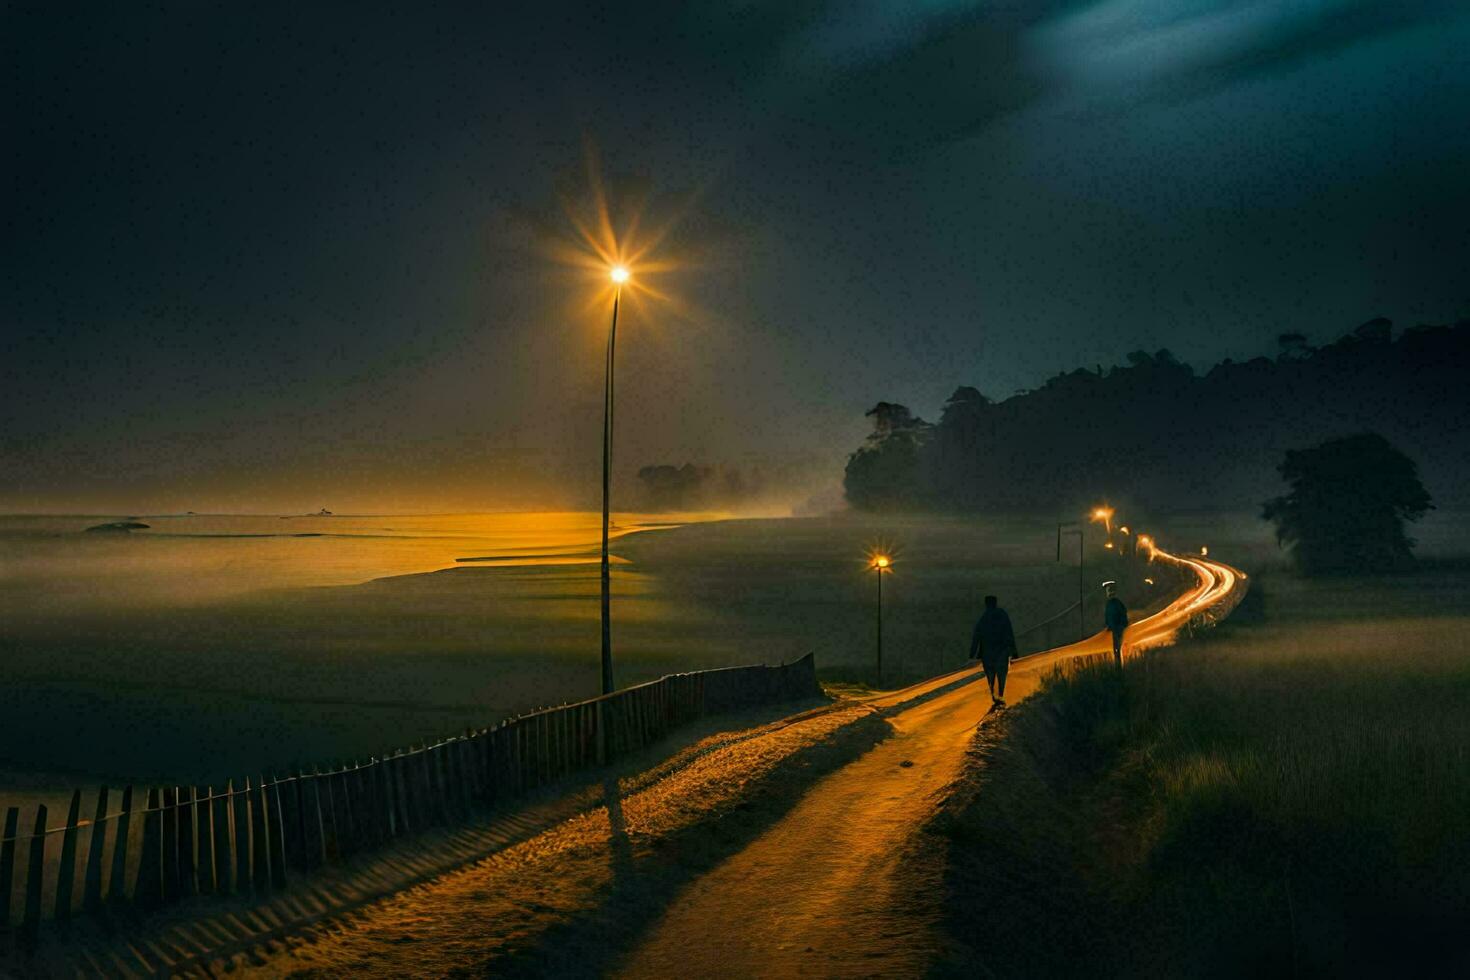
x=66, y=872
x=35, y=876
x=117, y=885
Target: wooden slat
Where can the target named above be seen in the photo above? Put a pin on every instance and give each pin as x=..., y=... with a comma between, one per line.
x=66, y=870
x=260, y=854
x=35, y=877
x=455, y=777
x=148, y=892
x=7, y=863
x=170, y=843
x=369, y=808
x=315, y=823
x=408, y=787
x=241, y=808
x=204, y=834
x=294, y=833
x=327, y=795
x=276, y=830
x=96, y=848
x=398, y=789
x=117, y=884
x=224, y=841
x=188, y=852
x=424, y=789
x=351, y=804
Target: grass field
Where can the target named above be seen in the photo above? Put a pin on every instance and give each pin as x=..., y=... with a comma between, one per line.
x=1289, y=796
x=169, y=670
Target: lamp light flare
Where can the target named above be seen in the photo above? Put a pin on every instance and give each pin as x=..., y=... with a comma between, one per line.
x=619, y=274
x=881, y=562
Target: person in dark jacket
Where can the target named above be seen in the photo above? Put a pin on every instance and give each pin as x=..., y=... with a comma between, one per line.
x=1115, y=616
x=993, y=643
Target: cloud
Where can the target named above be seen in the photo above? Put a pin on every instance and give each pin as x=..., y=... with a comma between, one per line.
x=1174, y=48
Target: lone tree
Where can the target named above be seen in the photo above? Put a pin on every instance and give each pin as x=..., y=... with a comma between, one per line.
x=1347, y=506
x=884, y=474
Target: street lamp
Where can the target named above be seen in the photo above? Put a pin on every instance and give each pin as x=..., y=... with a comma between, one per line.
x=1105, y=515
x=881, y=565
x=618, y=274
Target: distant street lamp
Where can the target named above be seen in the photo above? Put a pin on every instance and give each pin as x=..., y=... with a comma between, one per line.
x=881, y=565
x=1105, y=515
x=618, y=274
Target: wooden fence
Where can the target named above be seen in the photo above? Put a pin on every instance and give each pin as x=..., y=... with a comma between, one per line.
x=250, y=837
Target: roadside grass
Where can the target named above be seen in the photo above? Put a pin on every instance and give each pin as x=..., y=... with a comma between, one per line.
x=1285, y=797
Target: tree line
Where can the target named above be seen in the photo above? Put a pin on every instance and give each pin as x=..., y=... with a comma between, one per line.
x=1157, y=433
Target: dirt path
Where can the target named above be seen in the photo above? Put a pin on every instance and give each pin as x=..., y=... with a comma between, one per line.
x=840, y=886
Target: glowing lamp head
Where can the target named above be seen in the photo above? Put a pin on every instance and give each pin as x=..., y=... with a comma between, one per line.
x=1102, y=514
x=619, y=274
x=881, y=562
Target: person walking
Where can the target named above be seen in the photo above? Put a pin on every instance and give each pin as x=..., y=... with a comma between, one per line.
x=1115, y=617
x=993, y=643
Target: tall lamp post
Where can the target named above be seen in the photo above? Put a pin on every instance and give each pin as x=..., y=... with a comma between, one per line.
x=1073, y=527
x=619, y=275
x=881, y=565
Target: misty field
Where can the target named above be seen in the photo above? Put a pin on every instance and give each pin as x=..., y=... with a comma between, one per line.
x=197, y=656
x=1290, y=795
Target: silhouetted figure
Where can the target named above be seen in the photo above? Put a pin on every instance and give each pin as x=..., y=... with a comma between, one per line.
x=1115, y=615
x=993, y=642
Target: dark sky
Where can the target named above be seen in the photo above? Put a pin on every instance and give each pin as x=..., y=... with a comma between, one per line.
x=266, y=256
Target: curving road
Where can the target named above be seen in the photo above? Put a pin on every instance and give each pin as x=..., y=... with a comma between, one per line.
x=838, y=887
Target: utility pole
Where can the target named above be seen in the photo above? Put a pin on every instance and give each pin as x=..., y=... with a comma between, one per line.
x=1075, y=527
